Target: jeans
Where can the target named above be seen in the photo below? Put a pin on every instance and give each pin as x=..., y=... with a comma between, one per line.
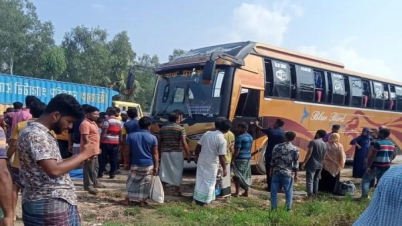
x=267, y=168
x=367, y=178
x=279, y=181
x=312, y=180
x=111, y=151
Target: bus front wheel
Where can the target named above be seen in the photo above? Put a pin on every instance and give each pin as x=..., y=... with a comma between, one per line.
x=259, y=167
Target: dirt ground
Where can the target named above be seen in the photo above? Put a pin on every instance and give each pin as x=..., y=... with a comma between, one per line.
x=105, y=207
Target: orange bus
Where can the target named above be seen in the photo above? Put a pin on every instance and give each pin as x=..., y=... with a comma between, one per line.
x=248, y=81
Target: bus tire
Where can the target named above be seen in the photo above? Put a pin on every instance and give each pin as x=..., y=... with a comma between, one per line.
x=259, y=167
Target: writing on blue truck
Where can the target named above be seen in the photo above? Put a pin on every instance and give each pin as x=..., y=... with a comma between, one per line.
x=16, y=88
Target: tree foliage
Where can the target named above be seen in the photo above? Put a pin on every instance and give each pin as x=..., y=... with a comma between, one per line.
x=176, y=53
x=85, y=56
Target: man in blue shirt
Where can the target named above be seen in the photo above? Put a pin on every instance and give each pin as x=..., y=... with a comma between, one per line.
x=144, y=160
x=130, y=126
x=385, y=207
x=275, y=136
x=241, y=160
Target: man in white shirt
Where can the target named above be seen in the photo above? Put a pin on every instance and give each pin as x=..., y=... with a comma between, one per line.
x=210, y=151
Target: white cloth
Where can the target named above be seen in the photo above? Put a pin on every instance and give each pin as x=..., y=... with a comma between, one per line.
x=226, y=182
x=213, y=144
x=204, y=190
x=171, y=168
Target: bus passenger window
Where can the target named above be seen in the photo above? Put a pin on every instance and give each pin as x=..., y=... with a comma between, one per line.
x=269, y=78
x=356, y=89
x=281, y=79
x=392, y=100
x=366, y=94
x=318, y=85
x=398, y=93
x=305, y=83
x=347, y=90
x=329, y=92
x=293, y=87
x=338, y=89
x=387, y=97
x=378, y=95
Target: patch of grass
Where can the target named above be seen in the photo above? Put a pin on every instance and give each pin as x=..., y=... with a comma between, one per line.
x=133, y=211
x=252, y=211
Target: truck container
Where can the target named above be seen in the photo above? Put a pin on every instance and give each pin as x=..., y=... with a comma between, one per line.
x=15, y=88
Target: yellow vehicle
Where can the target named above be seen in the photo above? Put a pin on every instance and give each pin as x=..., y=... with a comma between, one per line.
x=250, y=81
x=124, y=106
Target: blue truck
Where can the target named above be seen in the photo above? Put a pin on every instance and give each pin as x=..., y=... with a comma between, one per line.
x=15, y=88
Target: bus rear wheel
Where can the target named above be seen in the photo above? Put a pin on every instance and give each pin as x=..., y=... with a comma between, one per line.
x=259, y=167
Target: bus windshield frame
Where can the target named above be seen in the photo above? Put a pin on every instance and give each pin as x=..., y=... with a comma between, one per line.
x=184, y=90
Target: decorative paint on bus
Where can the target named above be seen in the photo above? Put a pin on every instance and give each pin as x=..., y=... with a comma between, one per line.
x=259, y=82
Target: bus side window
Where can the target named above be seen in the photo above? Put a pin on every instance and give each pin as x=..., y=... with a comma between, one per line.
x=338, y=89
x=387, y=97
x=398, y=93
x=282, y=77
x=347, y=90
x=367, y=94
x=293, y=80
x=319, y=86
x=329, y=92
x=378, y=95
x=392, y=98
x=356, y=92
x=269, y=78
x=305, y=83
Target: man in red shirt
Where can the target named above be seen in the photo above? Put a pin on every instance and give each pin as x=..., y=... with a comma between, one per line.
x=110, y=140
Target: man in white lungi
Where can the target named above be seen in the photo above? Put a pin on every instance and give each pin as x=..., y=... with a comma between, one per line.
x=172, y=144
x=209, y=153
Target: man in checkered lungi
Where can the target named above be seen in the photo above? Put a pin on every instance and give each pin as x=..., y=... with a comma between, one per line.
x=144, y=161
x=49, y=194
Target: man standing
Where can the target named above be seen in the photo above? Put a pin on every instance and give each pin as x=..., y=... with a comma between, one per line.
x=49, y=196
x=90, y=133
x=385, y=207
x=275, y=136
x=313, y=162
x=335, y=129
x=6, y=184
x=210, y=151
x=379, y=160
x=284, y=166
x=172, y=144
x=36, y=109
x=110, y=140
x=24, y=114
x=144, y=161
x=241, y=160
x=230, y=140
x=129, y=127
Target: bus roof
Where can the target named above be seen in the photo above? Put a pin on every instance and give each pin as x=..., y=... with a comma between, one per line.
x=240, y=50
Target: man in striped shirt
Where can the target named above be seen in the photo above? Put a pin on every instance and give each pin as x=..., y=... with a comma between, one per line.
x=110, y=140
x=379, y=160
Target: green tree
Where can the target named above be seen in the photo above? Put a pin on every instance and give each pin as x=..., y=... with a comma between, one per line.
x=176, y=53
x=53, y=63
x=87, y=55
x=18, y=21
x=146, y=78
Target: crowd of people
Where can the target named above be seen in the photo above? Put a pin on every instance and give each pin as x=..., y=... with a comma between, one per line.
x=47, y=141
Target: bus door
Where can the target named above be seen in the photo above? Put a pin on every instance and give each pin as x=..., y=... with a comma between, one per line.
x=247, y=110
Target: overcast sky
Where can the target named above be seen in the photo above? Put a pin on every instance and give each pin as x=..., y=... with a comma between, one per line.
x=364, y=35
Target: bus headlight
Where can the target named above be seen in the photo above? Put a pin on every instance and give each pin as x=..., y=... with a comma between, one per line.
x=195, y=136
